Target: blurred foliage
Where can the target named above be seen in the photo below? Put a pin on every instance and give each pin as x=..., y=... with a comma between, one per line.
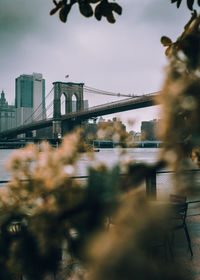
x=44, y=210
x=180, y=99
x=133, y=248
x=114, y=131
x=43, y=207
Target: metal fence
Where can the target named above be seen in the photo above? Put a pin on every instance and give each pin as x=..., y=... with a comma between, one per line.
x=158, y=186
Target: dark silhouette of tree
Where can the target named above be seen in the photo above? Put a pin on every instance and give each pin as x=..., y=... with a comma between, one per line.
x=99, y=8
x=190, y=3
x=103, y=8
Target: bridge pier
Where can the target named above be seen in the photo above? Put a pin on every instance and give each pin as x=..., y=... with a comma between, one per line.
x=56, y=129
x=68, y=126
x=29, y=134
x=68, y=90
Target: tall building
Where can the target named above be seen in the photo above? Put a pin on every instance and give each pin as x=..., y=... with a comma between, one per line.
x=150, y=130
x=7, y=114
x=74, y=105
x=29, y=98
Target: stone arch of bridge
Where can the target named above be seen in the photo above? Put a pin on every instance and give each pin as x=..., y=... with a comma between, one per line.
x=69, y=90
x=74, y=102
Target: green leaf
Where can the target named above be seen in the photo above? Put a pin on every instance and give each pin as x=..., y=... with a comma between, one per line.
x=190, y=4
x=97, y=12
x=116, y=8
x=178, y=3
x=85, y=9
x=166, y=41
x=53, y=11
x=110, y=17
x=94, y=1
x=64, y=11
x=167, y=51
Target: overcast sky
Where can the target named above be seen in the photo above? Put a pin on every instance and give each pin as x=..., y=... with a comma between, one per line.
x=124, y=57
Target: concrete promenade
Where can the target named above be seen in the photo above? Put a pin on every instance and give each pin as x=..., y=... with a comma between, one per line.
x=191, y=265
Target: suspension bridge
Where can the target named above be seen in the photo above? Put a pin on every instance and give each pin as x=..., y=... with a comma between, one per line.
x=63, y=113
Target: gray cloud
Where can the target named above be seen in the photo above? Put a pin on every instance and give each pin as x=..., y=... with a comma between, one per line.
x=166, y=17
x=163, y=12
x=16, y=19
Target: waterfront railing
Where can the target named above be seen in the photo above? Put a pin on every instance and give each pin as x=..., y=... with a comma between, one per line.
x=157, y=185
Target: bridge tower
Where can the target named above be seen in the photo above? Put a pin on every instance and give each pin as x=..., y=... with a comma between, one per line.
x=68, y=90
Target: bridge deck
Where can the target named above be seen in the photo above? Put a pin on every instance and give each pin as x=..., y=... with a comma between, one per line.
x=106, y=109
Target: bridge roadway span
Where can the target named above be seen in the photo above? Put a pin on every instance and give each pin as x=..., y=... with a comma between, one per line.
x=101, y=110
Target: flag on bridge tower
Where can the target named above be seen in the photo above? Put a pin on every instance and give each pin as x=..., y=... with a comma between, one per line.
x=67, y=76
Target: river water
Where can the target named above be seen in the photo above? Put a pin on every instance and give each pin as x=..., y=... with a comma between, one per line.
x=164, y=179
x=110, y=157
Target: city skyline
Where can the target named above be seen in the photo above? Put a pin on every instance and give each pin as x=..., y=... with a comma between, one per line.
x=27, y=88
x=126, y=57
x=30, y=85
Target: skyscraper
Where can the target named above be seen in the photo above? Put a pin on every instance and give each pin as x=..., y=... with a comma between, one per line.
x=29, y=98
x=7, y=114
x=74, y=105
